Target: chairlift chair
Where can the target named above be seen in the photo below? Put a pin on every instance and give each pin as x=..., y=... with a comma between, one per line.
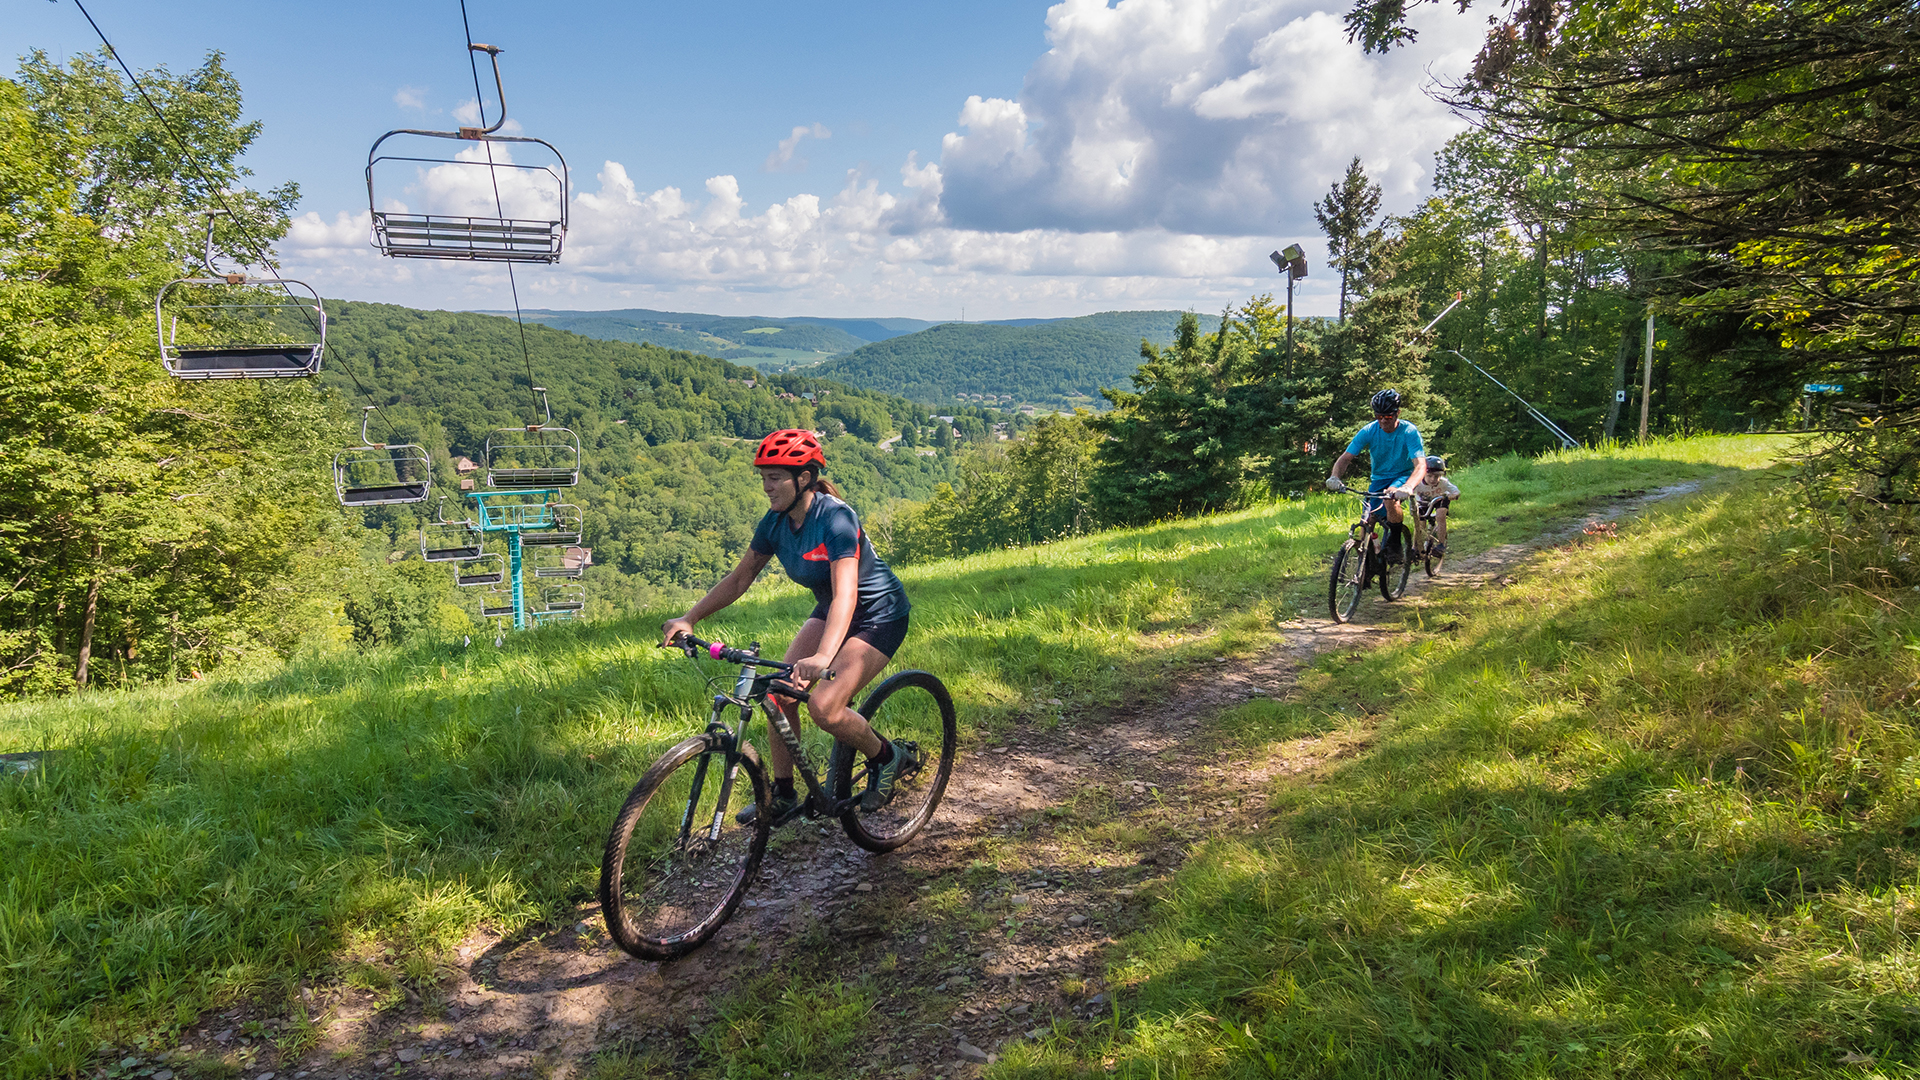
x=553, y=615
x=534, y=456
x=488, y=569
x=564, y=531
x=232, y=326
x=381, y=474
x=564, y=597
x=498, y=603
x=449, y=541
x=541, y=191
x=551, y=562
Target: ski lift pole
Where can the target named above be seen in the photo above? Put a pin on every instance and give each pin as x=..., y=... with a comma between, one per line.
x=519, y=589
x=1567, y=442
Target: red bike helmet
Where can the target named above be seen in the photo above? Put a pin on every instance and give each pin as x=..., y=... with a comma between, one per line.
x=790, y=448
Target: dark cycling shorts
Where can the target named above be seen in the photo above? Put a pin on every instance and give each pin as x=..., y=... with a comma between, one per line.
x=883, y=636
x=1438, y=502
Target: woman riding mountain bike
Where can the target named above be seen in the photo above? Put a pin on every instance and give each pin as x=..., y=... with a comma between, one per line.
x=857, y=624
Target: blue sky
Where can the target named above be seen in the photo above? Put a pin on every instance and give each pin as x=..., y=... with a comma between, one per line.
x=852, y=159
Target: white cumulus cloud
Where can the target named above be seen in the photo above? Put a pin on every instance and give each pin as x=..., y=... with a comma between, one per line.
x=784, y=159
x=1154, y=154
x=1212, y=117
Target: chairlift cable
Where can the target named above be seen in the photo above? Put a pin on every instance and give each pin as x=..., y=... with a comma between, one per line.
x=493, y=175
x=239, y=222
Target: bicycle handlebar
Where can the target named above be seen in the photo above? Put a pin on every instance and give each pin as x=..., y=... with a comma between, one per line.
x=1388, y=493
x=691, y=645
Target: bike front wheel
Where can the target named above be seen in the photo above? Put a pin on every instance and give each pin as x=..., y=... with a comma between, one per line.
x=1393, y=576
x=1347, y=581
x=914, y=710
x=677, y=861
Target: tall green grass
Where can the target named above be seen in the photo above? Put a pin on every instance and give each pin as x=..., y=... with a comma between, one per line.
x=1650, y=812
x=351, y=816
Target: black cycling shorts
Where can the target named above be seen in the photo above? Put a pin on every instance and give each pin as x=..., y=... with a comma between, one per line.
x=883, y=636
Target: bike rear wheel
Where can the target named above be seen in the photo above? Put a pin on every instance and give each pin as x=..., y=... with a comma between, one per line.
x=677, y=863
x=1347, y=581
x=914, y=710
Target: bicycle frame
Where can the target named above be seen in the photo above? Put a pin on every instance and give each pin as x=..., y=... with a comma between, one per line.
x=751, y=687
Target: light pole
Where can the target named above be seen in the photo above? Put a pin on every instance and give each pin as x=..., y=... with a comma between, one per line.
x=1293, y=263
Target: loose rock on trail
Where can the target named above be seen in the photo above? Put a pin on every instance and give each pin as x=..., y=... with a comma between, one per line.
x=1088, y=809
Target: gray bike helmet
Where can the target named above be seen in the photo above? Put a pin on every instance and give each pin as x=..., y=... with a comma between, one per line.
x=1386, y=402
x=1436, y=465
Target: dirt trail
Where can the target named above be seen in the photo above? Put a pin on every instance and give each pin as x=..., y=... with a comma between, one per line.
x=1095, y=809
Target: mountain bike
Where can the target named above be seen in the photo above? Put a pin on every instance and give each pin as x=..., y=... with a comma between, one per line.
x=679, y=859
x=1359, y=561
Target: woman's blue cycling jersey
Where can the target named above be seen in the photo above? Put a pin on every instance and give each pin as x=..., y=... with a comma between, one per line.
x=832, y=531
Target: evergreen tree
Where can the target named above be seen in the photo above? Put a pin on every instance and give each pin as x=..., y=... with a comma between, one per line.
x=1346, y=216
x=1178, y=443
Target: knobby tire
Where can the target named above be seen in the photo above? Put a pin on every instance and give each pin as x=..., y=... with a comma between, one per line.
x=913, y=707
x=664, y=887
x=1346, y=581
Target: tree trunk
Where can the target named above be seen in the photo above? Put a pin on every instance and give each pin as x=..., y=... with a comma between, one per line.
x=1620, y=376
x=86, y=626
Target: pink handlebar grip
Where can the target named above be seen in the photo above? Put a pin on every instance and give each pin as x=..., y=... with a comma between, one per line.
x=714, y=650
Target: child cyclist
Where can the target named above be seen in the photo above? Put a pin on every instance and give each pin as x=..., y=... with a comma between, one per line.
x=1433, y=496
x=857, y=624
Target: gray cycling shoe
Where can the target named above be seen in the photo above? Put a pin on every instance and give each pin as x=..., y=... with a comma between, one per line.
x=884, y=779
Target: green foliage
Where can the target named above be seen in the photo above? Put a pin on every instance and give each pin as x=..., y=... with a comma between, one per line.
x=1647, y=812
x=1029, y=492
x=147, y=528
x=186, y=845
x=1058, y=364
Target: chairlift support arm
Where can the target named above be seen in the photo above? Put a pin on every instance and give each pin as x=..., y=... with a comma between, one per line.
x=1567, y=442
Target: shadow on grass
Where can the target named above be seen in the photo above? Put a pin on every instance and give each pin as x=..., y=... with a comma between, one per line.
x=243, y=835
x=1587, y=845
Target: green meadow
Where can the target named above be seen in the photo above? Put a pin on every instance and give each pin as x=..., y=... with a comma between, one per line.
x=1647, y=811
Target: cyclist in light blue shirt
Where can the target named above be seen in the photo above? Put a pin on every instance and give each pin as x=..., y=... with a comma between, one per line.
x=1396, y=460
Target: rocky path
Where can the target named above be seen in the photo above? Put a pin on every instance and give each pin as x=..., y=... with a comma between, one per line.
x=994, y=926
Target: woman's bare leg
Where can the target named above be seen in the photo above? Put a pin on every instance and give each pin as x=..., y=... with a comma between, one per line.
x=854, y=667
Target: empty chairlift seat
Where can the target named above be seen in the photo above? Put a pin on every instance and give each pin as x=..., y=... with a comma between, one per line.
x=237, y=327
x=381, y=474
x=471, y=201
x=485, y=570
x=498, y=602
x=534, y=456
x=560, y=562
x=232, y=326
x=450, y=541
x=564, y=597
x=563, y=530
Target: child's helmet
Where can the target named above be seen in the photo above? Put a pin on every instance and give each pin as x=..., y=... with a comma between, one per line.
x=1436, y=465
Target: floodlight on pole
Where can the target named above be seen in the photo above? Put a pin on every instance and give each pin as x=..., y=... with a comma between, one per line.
x=1292, y=262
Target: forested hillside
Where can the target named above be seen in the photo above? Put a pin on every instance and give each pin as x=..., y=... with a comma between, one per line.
x=667, y=437
x=1056, y=364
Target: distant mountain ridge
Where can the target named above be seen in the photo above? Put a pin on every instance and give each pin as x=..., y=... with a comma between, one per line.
x=1051, y=363
x=1054, y=363
x=767, y=343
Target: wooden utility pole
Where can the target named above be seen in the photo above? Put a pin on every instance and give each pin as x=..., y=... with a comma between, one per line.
x=1646, y=378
